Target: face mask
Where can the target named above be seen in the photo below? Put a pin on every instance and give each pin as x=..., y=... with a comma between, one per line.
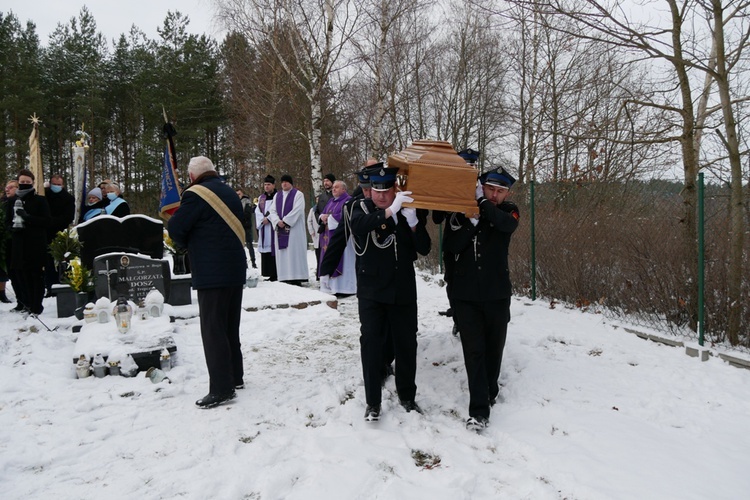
x=111, y=196
x=55, y=188
x=24, y=187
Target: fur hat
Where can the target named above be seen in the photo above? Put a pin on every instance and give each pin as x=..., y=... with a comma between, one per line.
x=95, y=192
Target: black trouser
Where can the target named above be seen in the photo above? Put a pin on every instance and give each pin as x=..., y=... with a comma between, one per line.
x=220, y=310
x=483, y=327
x=377, y=319
x=317, y=262
x=268, y=266
x=249, y=243
x=29, y=287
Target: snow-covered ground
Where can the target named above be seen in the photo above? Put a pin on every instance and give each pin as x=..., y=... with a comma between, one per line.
x=587, y=411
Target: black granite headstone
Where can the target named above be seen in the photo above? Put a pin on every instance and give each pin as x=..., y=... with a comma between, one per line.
x=122, y=273
x=132, y=234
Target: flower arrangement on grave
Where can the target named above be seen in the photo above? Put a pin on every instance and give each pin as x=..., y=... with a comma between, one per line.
x=179, y=255
x=65, y=246
x=79, y=276
x=170, y=246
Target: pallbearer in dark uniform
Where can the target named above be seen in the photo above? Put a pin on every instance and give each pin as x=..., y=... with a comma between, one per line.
x=387, y=240
x=471, y=157
x=476, y=256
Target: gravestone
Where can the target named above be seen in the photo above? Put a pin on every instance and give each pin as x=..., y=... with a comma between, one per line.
x=118, y=274
x=130, y=234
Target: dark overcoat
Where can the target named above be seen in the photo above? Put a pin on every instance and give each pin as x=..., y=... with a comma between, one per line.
x=217, y=256
x=62, y=207
x=476, y=257
x=29, y=245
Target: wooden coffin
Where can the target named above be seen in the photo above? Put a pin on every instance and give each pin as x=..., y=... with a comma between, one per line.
x=438, y=178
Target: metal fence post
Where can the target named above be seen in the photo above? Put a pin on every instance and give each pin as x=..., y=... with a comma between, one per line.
x=533, y=241
x=701, y=257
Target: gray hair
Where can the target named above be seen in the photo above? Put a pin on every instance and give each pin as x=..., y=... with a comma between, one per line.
x=343, y=185
x=200, y=165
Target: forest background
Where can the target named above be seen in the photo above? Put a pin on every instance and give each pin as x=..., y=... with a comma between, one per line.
x=610, y=110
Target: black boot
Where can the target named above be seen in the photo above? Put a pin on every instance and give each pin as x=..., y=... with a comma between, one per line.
x=3, y=297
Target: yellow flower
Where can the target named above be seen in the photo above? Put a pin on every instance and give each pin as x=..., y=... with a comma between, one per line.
x=78, y=276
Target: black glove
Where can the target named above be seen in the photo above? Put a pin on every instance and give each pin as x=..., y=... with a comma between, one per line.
x=22, y=213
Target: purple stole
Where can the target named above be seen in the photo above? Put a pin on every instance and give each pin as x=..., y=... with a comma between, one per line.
x=335, y=209
x=262, y=205
x=283, y=233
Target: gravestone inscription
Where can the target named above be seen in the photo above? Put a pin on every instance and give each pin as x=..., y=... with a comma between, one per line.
x=133, y=275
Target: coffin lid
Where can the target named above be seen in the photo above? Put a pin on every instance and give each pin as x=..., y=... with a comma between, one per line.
x=427, y=152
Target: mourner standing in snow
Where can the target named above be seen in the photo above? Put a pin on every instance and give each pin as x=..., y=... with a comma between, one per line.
x=343, y=279
x=287, y=216
x=209, y=224
x=62, y=206
x=266, y=243
x=29, y=222
x=248, y=209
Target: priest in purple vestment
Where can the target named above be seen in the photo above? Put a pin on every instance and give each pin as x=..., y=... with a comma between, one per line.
x=343, y=281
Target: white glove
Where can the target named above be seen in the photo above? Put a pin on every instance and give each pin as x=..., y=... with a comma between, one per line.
x=401, y=198
x=411, y=216
x=479, y=191
x=474, y=221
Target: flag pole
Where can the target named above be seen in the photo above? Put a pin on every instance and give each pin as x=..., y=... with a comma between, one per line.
x=170, y=188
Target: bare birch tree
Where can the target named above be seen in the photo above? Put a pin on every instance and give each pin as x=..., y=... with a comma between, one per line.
x=317, y=31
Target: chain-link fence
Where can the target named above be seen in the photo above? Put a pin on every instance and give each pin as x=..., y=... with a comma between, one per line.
x=621, y=249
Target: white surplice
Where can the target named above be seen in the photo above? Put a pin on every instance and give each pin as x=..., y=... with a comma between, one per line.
x=291, y=262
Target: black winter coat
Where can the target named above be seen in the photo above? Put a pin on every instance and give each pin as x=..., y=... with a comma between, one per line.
x=217, y=256
x=29, y=245
x=476, y=257
x=387, y=274
x=62, y=206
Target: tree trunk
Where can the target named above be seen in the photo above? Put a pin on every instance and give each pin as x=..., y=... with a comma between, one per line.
x=690, y=167
x=316, y=177
x=737, y=232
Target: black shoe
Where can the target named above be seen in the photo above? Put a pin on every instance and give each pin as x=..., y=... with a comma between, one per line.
x=19, y=307
x=241, y=385
x=372, y=413
x=213, y=400
x=48, y=294
x=254, y=266
x=4, y=298
x=477, y=424
x=411, y=405
x=455, y=331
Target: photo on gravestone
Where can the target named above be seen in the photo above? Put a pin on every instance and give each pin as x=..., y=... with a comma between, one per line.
x=133, y=275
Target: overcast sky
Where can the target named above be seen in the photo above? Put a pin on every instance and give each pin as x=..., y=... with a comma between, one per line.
x=112, y=17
